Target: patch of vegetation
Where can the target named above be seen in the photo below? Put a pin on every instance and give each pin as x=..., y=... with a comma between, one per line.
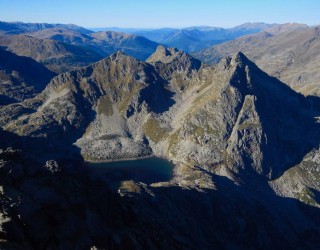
x=129, y=186
x=173, y=140
x=125, y=100
x=60, y=88
x=249, y=125
x=105, y=106
x=206, y=98
x=154, y=131
x=204, y=85
x=204, y=129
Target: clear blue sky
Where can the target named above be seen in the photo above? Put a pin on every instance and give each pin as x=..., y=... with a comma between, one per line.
x=160, y=13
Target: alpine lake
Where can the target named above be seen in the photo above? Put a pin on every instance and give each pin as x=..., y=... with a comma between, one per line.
x=147, y=170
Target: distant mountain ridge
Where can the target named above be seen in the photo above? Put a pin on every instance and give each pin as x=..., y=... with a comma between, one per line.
x=192, y=39
x=62, y=48
x=289, y=52
x=20, y=27
x=104, y=42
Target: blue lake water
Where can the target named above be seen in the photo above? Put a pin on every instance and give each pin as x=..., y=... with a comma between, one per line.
x=147, y=170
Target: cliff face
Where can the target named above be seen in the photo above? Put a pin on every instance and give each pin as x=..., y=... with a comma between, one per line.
x=241, y=142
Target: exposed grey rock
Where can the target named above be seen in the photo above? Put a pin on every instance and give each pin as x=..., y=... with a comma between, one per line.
x=53, y=167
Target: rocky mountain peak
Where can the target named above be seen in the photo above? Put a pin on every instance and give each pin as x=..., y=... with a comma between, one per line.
x=173, y=63
x=119, y=55
x=239, y=58
x=168, y=55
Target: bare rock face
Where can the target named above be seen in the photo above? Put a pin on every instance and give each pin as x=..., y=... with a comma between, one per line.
x=175, y=65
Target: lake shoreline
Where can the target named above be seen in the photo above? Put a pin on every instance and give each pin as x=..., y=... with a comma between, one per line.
x=148, y=170
x=129, y=159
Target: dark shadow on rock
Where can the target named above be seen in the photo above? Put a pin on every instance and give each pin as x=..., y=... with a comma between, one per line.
x=158, y=97
x=78, y=210
x=32, y=72
x=5, y=100
x=289, y=125
x=42, y=149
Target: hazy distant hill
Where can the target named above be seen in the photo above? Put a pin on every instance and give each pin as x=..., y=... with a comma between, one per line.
x=103, y=42
x=289, y=52
x=195, y=38
x=62, y=35
x=20, y=27
x=133, y=45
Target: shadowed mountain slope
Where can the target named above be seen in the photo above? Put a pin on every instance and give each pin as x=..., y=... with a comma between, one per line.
x=21, y=77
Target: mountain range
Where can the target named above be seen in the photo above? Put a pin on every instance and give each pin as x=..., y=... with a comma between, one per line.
x=20, y=27
x=290, y=55
x=237, y=137
x=192, y=39
x=244, y=145
x=62, y=48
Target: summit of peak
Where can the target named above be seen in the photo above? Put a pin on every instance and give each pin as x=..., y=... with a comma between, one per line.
x=119, y=55
x=239, y=58
x=164, y=54
x=168, y=55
